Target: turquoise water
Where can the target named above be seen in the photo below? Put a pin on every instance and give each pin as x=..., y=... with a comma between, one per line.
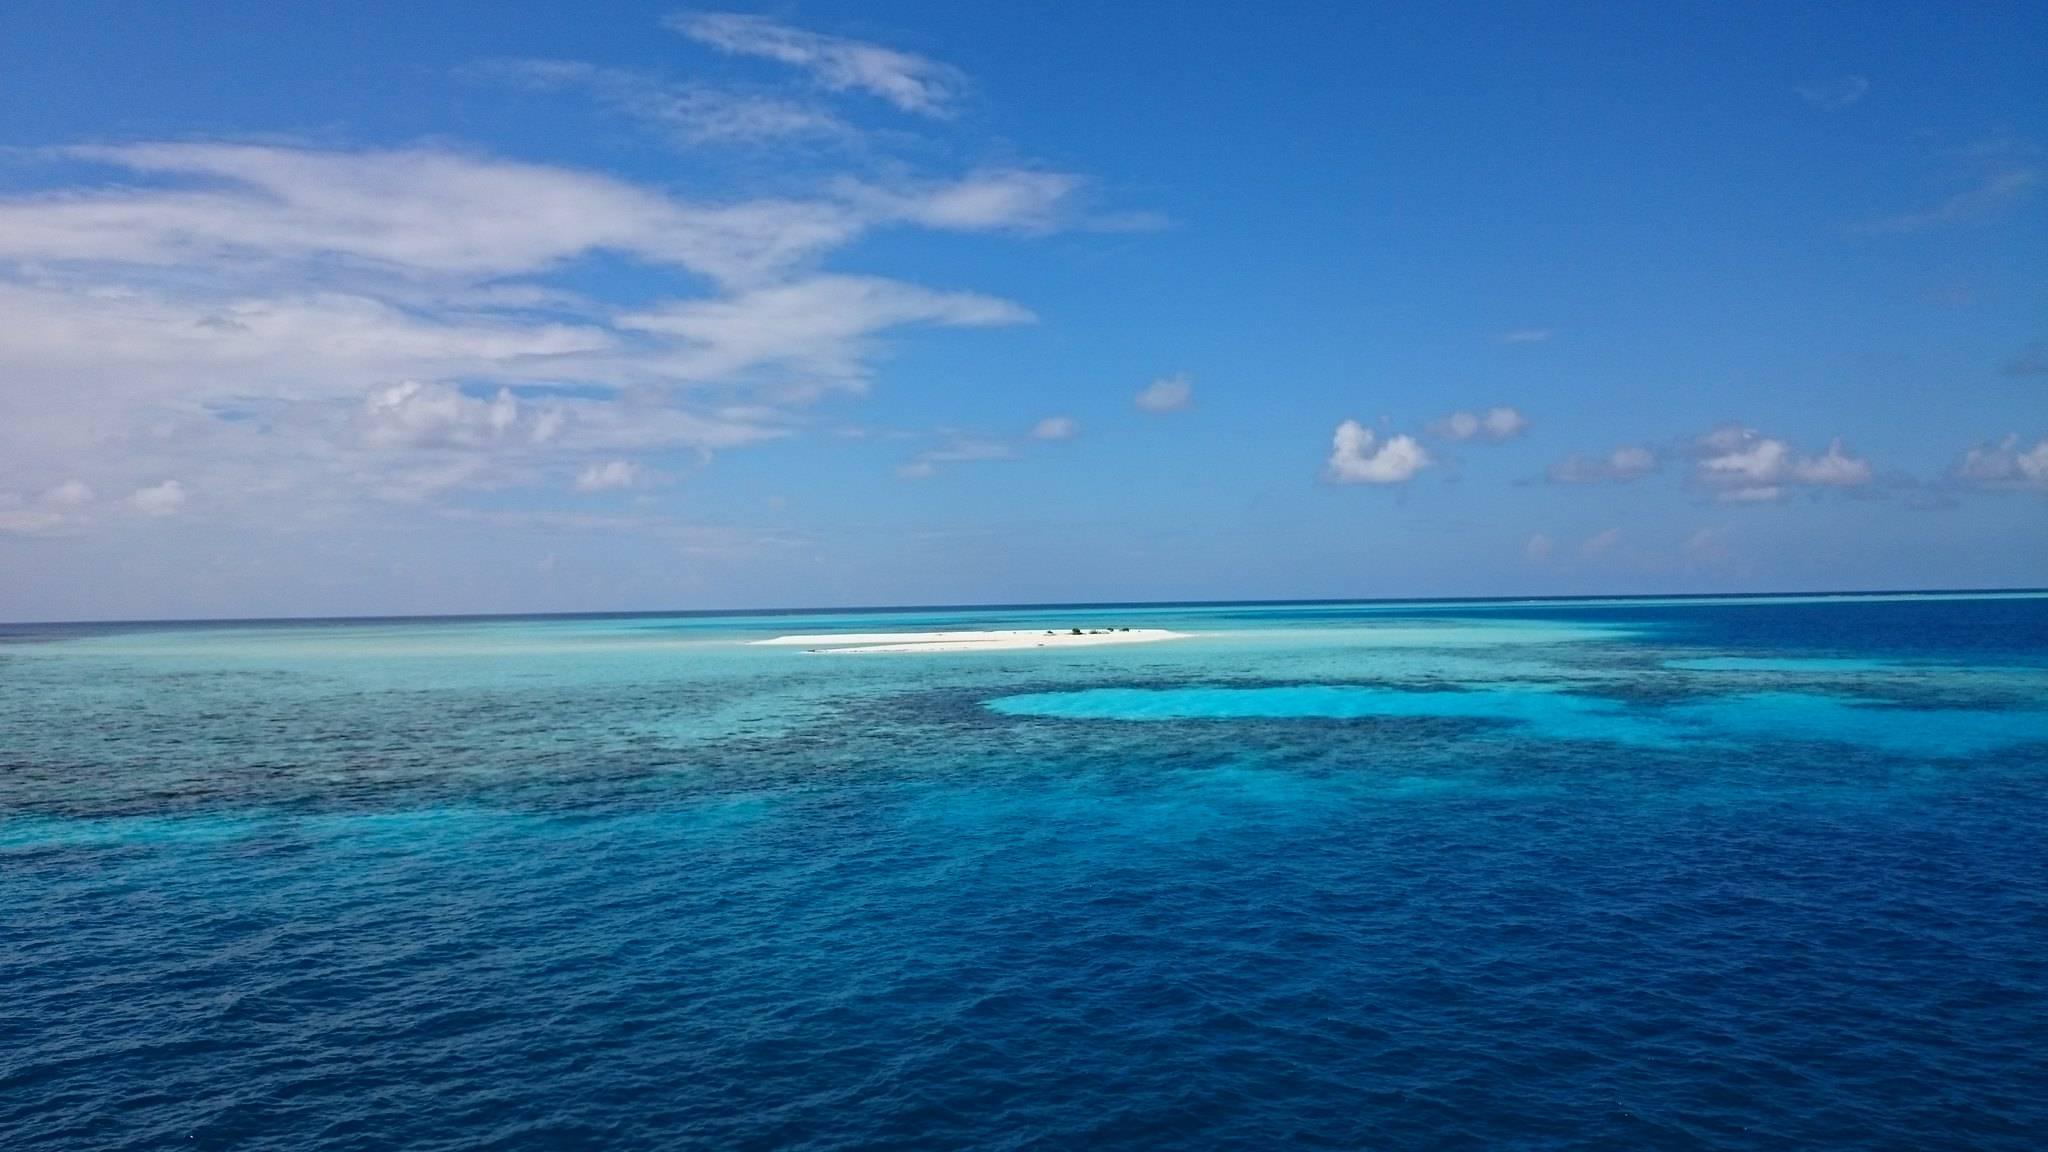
x=1739, y=873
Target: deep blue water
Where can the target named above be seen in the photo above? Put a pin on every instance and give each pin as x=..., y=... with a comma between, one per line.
x=1625, y=874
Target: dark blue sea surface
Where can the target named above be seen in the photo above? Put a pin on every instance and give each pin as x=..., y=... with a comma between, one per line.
x=1731, y=874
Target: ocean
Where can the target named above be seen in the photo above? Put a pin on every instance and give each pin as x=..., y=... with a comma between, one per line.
x=1702, y=874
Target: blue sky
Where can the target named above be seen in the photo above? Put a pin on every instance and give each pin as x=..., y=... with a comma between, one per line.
x=306, y=310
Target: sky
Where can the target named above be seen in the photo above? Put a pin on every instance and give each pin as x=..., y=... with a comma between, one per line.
x=387, y=309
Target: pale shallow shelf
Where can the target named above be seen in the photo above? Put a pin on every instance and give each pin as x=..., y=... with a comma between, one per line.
x=991, y=641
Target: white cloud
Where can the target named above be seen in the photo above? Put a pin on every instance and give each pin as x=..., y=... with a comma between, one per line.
x=2033, y=464
x=298, y=332
x=2004, y=464
x=608, y=475
x=1357, y=457
x=1499, y=423
x=1833, y=470
x=1600, y=544
x=69, y=494
x=1056, y=428
x=816, y=326
x=278, y=395
x=1626, y=463
x=910, y=82
x=1630, y=461
x=1503, y=423
x=1524, y=336
x=269, y=272
x=1167, y=394
x=415, y=414
x=158, y=499
x=1754, y=461
x=1741, y=466
x=1538, y=548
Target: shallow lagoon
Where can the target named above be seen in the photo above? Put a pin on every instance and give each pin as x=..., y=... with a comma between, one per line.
x=1727, y=874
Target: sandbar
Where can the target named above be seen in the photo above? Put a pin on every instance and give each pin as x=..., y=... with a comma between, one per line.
x=1007, y=640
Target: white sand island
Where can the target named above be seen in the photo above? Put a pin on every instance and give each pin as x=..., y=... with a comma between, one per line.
x=992, y=641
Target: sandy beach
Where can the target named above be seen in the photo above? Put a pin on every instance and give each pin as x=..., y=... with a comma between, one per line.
x=987, y=641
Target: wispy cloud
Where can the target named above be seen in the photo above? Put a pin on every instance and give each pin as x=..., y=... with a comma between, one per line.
x=158, y=499
x=1991, y=196
x=908, y=81
x=417, y=211
x=989, y=200
x=690, y=114
x=19, y=521
x=609, y=475
x=2005, y=463
x=1705, y=548
x=1835, y=92
x=1626, y=463
x=691, y=538
x=1167, y=394
x=54, y=511
x=1498, y=423
x=1523, y=336
x=1832, y=469
x=278, y=337
x=1996, y=176
x=956, y=448
x=2029, y=361
x=260, y=318
x=69, y=494
x=436, y=212
x=1357, y=456
x=286, y=325
x=817, y=327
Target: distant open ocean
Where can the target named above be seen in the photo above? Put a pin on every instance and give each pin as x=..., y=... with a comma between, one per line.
x=1699, y=874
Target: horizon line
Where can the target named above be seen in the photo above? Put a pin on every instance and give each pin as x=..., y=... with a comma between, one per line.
x=877, y=609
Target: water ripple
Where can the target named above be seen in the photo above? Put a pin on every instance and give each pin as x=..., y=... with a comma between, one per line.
x=746, y=900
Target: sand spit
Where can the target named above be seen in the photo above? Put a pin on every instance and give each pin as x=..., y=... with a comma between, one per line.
x=994, y=641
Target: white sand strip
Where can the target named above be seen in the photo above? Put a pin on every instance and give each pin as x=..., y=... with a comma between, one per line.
x=993, y=641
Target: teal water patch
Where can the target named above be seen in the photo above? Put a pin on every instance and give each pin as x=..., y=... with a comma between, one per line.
x=1778, y=664
x=1550, y=715
x=1454, y=634
x=1811, y=717
x=1554, y=715
x=26, y=832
